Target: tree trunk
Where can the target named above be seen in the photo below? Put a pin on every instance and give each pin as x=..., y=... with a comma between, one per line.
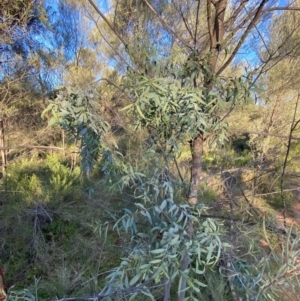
x=196, y=169
x=196, y=146
x=216, y=34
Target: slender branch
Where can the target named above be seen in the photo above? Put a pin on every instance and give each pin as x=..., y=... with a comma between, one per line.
x=178, y=170
x=264, y=68
x=250, y=14
x=109, y=44
x=197, y=23
x=209, y=23
x=116, y=86
x=293, y=126
x=107, y=22
x=277, y=192
x=33, y=147
x=244, y=36
x=235, y=14
x=265, y=134
x=231, y=20
x=255, y=210
x=184, y=21
x=281, y=8
x=262, y=38
x=221, y=217
x=165, y=25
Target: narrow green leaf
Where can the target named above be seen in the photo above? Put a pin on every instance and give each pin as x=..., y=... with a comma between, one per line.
x=210, y=252
x=133, y=296
x=143, y=235
x=148, y=294
x=163, y=205
x=126, y=283
x=174, y=240
x=127, y=107
x=140, y=205
x=140, y=112
x=155, y=261
x=197, y=270
x=135, y=279
x=158, y=251
x=149, y=217
x=201, y=284
x=52, y=121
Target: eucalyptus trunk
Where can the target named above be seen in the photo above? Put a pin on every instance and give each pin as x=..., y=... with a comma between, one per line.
x=196, y=147
x=216, y=32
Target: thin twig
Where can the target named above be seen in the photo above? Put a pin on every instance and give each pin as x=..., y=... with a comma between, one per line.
x=260, y=35
x=293, y=126
x=107, y=22
x=277, y=192
x=178, y=169
x=197, y=22
x=244, y=36
x=109, y=44
x=33, y=147
x=281, y=8
x=208, y=7
x=184, y=21
x=264, y=134
x=116, y=86
x=255, y=210
x=166, y=26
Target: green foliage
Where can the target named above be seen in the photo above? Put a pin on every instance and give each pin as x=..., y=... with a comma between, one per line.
x=50, y=236
x=172, y=101
x=28, y=181
x=173, y=109
x=160, y=245
x=226, y=159
x=217, y=286
x=62, y=179
x=283, y=268
x=74, y=111
x=266, y=276
x=279, y=202
x=21, y=295
x=207, y=195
